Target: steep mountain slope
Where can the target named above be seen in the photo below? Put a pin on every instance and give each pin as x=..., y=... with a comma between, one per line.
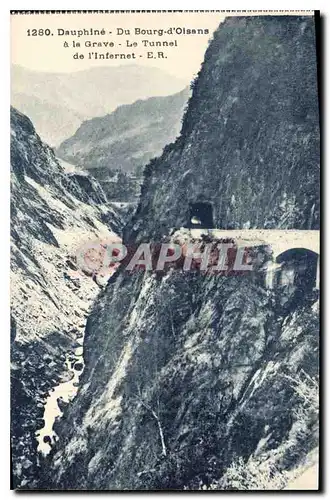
x=127, y=138
x=52, y=215
x=83, y=94
x=187, y=374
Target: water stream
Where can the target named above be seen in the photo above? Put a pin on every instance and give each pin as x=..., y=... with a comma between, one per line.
x=63, y=392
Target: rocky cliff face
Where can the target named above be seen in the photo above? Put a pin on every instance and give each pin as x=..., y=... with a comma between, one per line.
x=188, y=374
x=52, y=215
x=250, y=138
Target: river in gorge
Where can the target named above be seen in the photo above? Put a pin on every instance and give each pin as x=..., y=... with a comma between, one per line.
x=64, y=392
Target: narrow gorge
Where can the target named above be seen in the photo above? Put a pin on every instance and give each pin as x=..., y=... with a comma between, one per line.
x=189, y=380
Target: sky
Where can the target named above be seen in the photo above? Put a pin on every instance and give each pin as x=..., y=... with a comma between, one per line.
x=47, y=53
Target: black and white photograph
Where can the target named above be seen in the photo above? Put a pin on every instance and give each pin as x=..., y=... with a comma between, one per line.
x=165, y=250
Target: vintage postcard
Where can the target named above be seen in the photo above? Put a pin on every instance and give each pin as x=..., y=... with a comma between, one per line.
x=165, y=250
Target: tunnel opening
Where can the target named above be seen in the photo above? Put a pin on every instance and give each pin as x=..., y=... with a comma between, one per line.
x=201, y=215
x=297, y=275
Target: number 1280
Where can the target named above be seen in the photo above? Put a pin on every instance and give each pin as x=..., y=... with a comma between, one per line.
x=39, y=32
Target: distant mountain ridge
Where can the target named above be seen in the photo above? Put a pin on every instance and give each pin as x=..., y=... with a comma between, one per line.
x=126, y=139
x=45, y=114
x=58, y=102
